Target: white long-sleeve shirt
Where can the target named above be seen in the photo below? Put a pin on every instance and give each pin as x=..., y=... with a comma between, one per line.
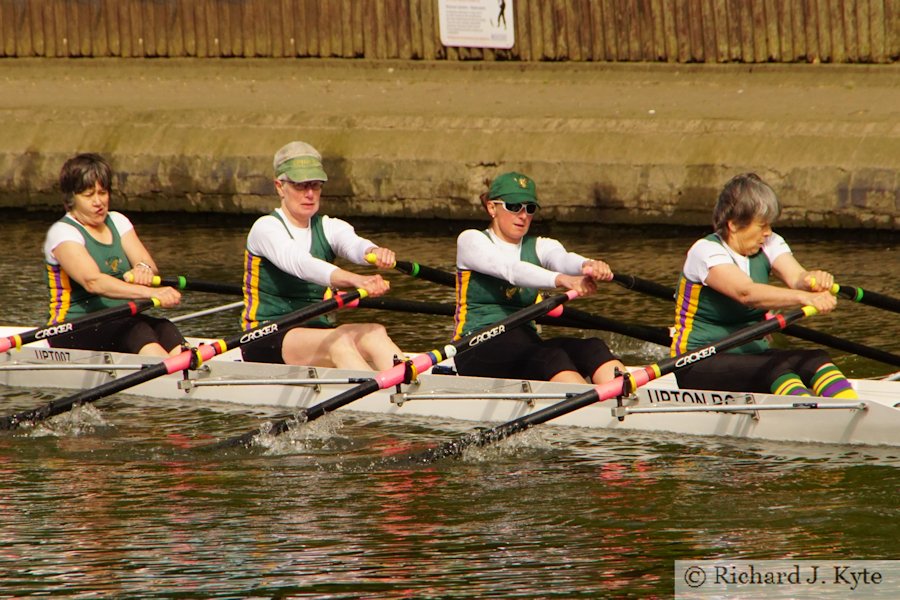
x=492, y=256
x=269, y=238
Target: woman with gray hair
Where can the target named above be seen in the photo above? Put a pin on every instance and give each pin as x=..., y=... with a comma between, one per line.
x=724, y=286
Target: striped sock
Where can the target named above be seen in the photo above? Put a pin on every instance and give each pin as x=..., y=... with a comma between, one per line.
x=790, y=385
x=829, y=381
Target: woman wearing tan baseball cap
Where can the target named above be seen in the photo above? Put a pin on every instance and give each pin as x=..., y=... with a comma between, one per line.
x=288, y=264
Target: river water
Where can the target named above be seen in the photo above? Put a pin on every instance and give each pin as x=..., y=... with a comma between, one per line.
x=111, y=503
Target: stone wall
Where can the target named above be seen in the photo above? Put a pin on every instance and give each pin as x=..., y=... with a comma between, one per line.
x=614, y=143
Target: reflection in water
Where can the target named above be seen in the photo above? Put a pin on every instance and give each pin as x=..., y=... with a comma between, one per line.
x=114, y=503
x=131, y=511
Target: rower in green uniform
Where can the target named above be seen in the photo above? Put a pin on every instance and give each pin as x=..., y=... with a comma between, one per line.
x=724, y=286
x=88, y=253
x=500, y=270
x=288, y=265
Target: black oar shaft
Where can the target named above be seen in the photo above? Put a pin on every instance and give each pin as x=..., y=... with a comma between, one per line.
x=869, y=298
x=282, y=424
x=213, y=287
x=62, y=405
x=129, y=308
x=576, y=318
x=645, y=286
x=825, y=339
x=570, y=317
x=427, y=273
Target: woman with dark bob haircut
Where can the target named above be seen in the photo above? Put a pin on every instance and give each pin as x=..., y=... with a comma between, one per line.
x=88, y=254
x=724, y=286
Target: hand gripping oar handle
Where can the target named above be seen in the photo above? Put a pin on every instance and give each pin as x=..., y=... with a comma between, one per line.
x=406, y=371
x=620, y=386
x=420, y=271
x=130, y=308
x=189, y=359
x=857, y=294
x=183, y=283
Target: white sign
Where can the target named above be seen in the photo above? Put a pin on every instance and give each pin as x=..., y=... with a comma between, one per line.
x=477, y=23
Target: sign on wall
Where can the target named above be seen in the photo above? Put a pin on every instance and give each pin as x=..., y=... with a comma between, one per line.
x=477, y=23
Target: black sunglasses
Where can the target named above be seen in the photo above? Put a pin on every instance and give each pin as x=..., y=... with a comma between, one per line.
x=516, y=207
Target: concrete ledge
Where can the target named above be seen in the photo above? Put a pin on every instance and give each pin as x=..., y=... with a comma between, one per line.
x=611, y=143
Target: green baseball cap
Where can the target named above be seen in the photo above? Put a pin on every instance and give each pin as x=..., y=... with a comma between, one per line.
x=514, y=187
x=299, y=162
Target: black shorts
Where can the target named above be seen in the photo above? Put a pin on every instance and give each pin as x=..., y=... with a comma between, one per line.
x=522, y=354
x=755, y=373
x=125, y=334
x=268, y=349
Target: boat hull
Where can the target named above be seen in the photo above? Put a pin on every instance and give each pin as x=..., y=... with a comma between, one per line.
x=874, y=420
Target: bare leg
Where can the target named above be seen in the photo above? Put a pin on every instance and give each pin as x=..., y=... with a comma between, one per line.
x=607, y=371
x=375, y=345
x=568, y=377
x=154, y=349
x=357, y=346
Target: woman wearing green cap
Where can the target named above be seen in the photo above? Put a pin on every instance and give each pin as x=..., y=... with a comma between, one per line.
x=500, y=270
x=288, y=265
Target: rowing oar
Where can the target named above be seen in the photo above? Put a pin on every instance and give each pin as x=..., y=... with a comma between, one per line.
x=183, y=283
x=130, y=308
x=403, y=372
x=418, y=271
x=657, y=290
x=858, y=294
x=620, y=386
x=444, y=278
x=189, y=359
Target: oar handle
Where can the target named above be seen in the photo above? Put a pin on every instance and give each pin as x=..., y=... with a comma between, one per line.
x=418, y=271
x=183, y=283
x=132, y=307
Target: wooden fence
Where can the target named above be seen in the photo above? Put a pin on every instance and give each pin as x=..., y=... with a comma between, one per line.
x=749, y=31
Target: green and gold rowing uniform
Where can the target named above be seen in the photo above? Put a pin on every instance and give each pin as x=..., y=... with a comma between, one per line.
x=270, y=293
x=482, y=299
x=68, y=299
x=704, y=316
